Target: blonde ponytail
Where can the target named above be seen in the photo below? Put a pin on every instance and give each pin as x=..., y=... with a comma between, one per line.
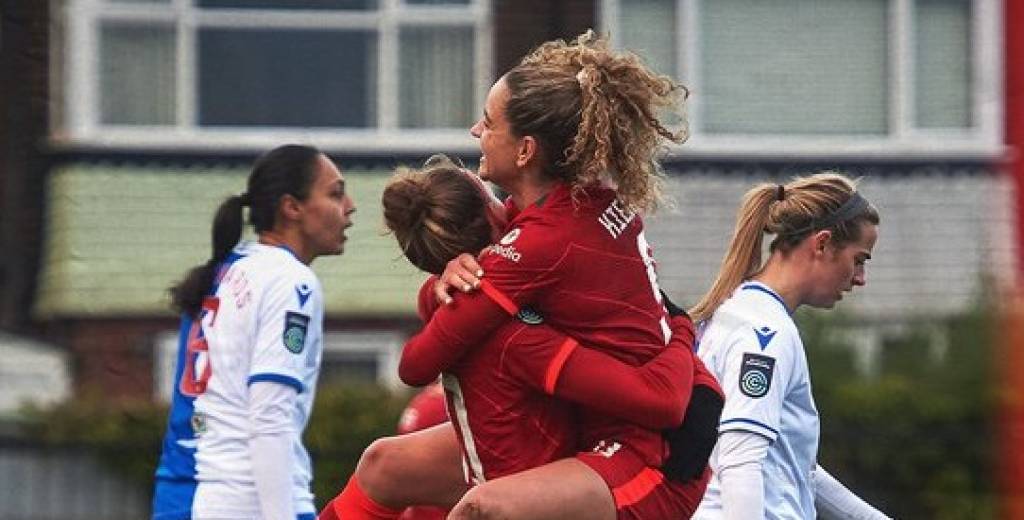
x=743, y=258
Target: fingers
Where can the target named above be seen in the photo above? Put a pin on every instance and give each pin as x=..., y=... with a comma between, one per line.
x=462, y=273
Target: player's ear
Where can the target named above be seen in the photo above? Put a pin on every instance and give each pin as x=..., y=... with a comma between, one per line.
x=289, y=207
x=529, y=149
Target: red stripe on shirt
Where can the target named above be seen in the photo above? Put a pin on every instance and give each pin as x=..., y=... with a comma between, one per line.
x=499, y=297
x=555, y=368
x=636, y=489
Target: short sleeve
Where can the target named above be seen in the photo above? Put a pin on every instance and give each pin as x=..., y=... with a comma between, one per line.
x=755, y=382
x=285, y=325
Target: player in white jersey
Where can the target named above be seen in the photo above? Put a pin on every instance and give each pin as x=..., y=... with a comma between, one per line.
x=765, y=462
x=250, y=348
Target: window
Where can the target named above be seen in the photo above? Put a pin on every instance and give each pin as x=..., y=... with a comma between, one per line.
x=887, y=76
x=359, y=73
x=369, y=356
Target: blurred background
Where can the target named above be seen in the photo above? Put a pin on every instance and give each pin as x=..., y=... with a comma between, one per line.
x=123, y=123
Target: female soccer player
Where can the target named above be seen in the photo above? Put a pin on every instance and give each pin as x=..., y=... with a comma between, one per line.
x=765, y=461
x=250, y=348
x=504, y=420
x=570, y=133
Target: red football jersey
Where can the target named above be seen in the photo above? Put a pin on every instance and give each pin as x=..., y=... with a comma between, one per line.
x=504, y=421
x=583, y=263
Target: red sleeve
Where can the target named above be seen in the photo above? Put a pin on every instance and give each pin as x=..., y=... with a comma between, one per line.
x=451, y=332
x=426, y=301
x=523, y=263
x=654, y=395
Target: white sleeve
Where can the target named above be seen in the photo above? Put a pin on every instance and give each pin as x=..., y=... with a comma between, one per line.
x=270, y=444
x=285, y=321
x=834, y=501
x=739, y=457
x=755, y=378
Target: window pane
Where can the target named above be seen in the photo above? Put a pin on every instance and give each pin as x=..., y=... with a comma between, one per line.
x=290, y=4
x=648, y=28
x=436, y=78
x=794, y=66
x=137, y=78
x=287, y=78
x=942, y=46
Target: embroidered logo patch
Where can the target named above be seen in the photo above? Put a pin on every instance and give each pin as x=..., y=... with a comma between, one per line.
x=756, y=375
x=529, y=316
x=294, y=336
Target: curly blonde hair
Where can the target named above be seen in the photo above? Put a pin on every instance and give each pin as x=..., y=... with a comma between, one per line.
x=595, y=113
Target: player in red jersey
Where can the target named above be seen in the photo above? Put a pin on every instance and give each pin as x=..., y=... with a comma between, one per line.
x=559, y=130
x=528, y=429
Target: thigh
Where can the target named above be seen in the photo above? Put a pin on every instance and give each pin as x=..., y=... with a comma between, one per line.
x=566, y=488
x=419, y=468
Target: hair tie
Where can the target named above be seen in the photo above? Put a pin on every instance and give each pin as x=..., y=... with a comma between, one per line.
x=780, y=193
x=581, y=76
x=244, y=198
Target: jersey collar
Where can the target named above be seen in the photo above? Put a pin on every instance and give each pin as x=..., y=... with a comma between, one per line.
x=752, y=285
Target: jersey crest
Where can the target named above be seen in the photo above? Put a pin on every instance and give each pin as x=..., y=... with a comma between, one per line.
x=294, y=335
x=756, y=375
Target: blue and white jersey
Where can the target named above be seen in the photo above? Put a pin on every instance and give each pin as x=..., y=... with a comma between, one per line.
x=263, y=322
x=754, y=349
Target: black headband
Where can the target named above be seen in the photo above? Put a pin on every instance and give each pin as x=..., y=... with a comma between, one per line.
x=853, y=207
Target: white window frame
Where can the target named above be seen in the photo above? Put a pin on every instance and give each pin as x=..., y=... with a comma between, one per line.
x=385, y=345
x=982, y=141
x=82, y=125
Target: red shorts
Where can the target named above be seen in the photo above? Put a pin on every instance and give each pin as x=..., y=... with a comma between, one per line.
x=640, y=491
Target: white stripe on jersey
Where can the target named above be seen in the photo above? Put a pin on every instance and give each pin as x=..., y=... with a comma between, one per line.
x=471, y=462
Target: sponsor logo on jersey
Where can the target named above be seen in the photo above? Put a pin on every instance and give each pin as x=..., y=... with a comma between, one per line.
x=764, y=336
x=294, y=335
x=756, y=375
x=303, y=291
x=510, y=237
x=529, y=316
x=506, y=252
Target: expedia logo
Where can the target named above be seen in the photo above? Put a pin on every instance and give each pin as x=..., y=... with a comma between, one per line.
x=510, y=237
x=505, y=251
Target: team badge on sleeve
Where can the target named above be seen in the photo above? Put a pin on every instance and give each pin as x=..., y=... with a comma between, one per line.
x=294, y=336
x=756, y=375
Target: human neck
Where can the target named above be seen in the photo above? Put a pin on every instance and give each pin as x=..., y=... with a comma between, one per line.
x=528, y=193
x=785, y=278
x=287, y=240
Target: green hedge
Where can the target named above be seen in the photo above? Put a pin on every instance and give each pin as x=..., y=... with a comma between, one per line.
x=914, y=437
x=128, y=436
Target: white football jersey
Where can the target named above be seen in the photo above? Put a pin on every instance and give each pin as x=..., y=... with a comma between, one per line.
x=754, y=349
x=263, y=323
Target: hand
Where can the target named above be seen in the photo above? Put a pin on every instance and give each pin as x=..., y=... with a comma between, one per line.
x=462, y=273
